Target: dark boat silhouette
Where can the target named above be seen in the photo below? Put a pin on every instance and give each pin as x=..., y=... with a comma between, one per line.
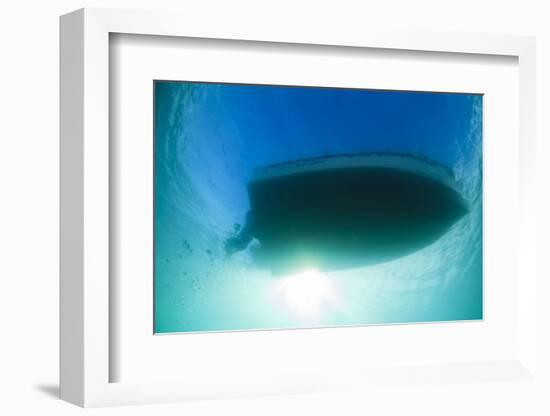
x=346, y=211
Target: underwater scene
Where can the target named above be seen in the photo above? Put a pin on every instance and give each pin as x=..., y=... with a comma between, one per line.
x=279, y=207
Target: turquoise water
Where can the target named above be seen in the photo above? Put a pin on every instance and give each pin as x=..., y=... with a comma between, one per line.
x=209, y=138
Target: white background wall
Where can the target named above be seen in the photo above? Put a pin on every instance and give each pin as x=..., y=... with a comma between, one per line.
x=29, y=206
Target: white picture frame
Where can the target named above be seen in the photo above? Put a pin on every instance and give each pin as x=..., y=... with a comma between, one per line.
x=85, y=355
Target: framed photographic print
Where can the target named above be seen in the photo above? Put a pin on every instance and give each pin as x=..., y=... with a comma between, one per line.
x=270, y=212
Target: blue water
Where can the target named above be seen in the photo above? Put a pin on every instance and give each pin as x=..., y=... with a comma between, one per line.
x=208, y=140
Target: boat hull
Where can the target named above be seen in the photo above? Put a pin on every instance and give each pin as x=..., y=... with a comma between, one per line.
x=353, y=215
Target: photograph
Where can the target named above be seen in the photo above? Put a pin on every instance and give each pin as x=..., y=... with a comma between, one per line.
x=285, y=207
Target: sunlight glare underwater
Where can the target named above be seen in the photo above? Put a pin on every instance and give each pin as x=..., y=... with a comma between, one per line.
x=305, y=293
